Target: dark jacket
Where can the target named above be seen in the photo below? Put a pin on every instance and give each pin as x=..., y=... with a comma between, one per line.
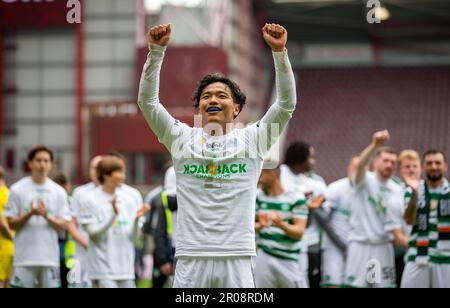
x=156, y=225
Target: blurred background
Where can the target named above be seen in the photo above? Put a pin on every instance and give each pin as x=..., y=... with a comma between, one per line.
x=73, y=87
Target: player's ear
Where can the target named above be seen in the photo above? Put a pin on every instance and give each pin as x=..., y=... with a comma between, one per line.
x=237, y=110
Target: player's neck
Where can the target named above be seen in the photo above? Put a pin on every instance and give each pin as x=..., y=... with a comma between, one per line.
x=39, y=179
x=435, y=184
x=109, y=189
x=275, y=190
x=2, y=184
x=381, y=178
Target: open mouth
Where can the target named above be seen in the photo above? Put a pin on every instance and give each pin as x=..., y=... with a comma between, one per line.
x=213, y=110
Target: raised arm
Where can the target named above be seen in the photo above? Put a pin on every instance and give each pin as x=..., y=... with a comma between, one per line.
x=157, y=117
x=411, y=199
x=379, y=140
x=282, y=110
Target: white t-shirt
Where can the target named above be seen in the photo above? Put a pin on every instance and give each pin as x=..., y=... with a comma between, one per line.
x=311, y=189
x=77, y=200
x=78, y=194
x=396, y=211
x=338, y=198
x=170, y=182
x=216, y=176
x=111, y=254
x=134, y=193
x=369, y=209
x=36, y=244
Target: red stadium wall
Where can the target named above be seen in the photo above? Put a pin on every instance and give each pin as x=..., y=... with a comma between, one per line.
x=127, y=134
x=182, y=69
x=33, y=14
x=340, y=109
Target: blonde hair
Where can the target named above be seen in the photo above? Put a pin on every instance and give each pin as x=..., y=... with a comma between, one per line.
x=408, y=154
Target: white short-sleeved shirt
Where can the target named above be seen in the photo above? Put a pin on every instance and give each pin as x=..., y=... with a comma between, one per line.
x=310, y=188
x=170, y=182
x=110, y=256
x=36, y=244
x=338, y=198
x=396, y=211
x=369, y=210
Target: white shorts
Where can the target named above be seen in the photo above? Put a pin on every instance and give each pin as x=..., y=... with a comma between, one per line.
x=36, y=277
x=214, y=272
x=304, y=266
x=272, y=272
x=113, y=284
x=440, y=276
x=370, y=266
x=426, y=276
x=416, y=276
x=78, y=276
x=333, y=267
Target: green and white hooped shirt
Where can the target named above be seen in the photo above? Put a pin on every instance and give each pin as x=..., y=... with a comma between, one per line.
x=272, y=240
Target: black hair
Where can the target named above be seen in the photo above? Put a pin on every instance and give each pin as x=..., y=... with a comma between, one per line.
x=61, y=179
x=40, y=148
x=238, y=96
x=434, y=152
x=298, y=153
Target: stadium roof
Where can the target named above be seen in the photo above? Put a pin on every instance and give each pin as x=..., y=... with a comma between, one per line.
x=345, y=20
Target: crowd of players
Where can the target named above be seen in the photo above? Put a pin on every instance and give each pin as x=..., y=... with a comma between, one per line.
x=370, y=229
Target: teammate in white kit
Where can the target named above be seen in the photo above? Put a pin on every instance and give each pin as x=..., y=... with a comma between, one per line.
x=338, y=198
x=295, y=176
x=110, y=218
x=370, y=260
x=428, y=258
x=37, y=209
x=217, y=167
x=80, y=277
x=281, y=222
x=409, y=169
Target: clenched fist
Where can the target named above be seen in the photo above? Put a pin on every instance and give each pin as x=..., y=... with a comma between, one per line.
x=159, y=35
x=275, y=36
x=380, y=138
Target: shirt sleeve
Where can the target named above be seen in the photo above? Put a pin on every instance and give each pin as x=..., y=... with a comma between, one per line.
x=92, y=224
x=63, y=207
x=332, y=199
x=13, y=206
x=75, y=205
x=165, y=127
x=138, y=199
x=275, y=121
x=394, y=213
x=300, y=209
